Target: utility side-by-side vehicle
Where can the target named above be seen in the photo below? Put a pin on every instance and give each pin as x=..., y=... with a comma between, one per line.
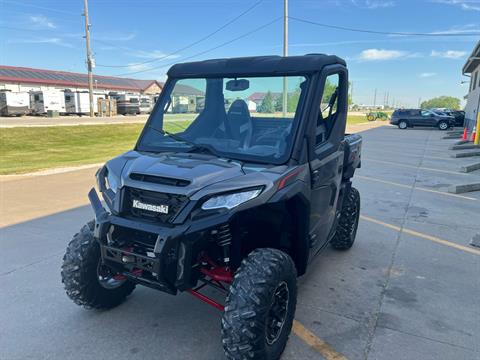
x=240, y=177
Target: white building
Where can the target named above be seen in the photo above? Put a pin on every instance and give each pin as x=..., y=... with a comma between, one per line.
x=472, y=69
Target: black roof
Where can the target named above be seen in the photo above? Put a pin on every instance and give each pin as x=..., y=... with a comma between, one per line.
x=255, y=65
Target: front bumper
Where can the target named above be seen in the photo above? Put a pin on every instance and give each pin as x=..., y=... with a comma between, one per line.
x=170, y=264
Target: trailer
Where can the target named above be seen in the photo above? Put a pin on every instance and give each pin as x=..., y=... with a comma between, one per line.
x=47, y=100
x=127, y=104
x=78, y=102
x=14, y=103
x=146, y=104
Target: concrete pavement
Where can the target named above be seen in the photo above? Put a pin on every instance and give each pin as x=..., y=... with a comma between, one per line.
x=394, y=295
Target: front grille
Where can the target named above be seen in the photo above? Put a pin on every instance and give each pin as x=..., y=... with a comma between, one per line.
x=174, y=202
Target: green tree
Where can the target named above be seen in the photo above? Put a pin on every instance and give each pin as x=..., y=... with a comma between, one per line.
x=292, y=100
x=328, y=91
x=267, y=105
x=442, y=102
x=278, y=103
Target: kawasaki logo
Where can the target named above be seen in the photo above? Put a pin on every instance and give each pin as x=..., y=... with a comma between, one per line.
x=162, y=209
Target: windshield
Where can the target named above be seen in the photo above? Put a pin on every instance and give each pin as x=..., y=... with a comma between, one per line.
x=241, y=119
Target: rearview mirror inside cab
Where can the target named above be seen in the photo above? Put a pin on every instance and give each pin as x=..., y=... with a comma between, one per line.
x=238, y=85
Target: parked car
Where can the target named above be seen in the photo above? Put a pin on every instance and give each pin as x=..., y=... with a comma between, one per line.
x=457, y=114
x=405, y=118
x=459, y=117
x=238, y=202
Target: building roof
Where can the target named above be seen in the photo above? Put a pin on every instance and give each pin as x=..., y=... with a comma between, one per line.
x=473, y=60
x=255, y=66
x=69, y=79
x=187, y=90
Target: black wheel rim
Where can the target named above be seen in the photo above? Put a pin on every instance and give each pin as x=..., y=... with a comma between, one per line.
x=106, y=277
x=277, y=314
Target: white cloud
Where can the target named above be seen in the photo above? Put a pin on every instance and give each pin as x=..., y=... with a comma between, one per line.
x=154, y=54
x=51, y=40
x=427, y=74
x=449, y=54
x=460, y=29
x=116, y=37
x=469, y=5
x=137, y=67
x=42, y=21
x=381, y=54
x=373, y=4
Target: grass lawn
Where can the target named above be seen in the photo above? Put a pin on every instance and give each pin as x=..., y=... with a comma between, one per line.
x=28, y=149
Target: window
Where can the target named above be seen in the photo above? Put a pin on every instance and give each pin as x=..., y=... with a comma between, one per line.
x=475, y=80
x=36, y=97
x=68, y=98
x=328, y=108
x=235, y=118
x=426, y=113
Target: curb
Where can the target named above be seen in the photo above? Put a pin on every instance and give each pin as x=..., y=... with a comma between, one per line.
x=470, y=167
x=460, y=189
x=50, y=171
x=464, y=147
x=466, y=154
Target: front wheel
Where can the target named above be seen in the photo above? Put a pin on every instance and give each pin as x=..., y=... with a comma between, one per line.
x=402, y=124
x=87, y=281
x=346, y=230
x=443, y=125
x=260, y=307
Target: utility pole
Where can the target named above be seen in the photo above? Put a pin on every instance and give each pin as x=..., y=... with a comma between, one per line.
x=388, y=93
x=89, y=58
x=419, y=102
x=375, y=99
x=285, y=53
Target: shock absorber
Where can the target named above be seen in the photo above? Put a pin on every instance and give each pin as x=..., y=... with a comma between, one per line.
x=224, y=240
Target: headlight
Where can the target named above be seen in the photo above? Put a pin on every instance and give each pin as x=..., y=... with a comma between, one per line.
x=112, y=181
x=229, y=201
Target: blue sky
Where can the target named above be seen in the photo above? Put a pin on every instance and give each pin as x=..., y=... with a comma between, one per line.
x=48, y=34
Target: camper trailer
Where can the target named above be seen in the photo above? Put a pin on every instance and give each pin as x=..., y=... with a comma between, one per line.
x=127, y=104
x=78, y=102
x=47, y=100
x=14, y=103
x=146, y=104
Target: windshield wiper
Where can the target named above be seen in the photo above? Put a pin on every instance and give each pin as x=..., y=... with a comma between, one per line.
x=173, y=136
x=194, y=146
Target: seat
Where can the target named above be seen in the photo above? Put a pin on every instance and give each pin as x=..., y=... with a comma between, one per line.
x=239, y=122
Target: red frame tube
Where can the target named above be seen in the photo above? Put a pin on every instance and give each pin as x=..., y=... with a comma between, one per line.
x=219, y=274
x=206, y=299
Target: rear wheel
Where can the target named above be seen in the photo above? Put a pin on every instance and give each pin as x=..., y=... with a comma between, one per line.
x=443, y=125
x=87, y=281
x=260, y=306
x=402, y=124
x=346, y=230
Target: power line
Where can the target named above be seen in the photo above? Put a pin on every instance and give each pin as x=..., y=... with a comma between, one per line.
x=208, y=50
x=381, y=32
x=190, y=45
